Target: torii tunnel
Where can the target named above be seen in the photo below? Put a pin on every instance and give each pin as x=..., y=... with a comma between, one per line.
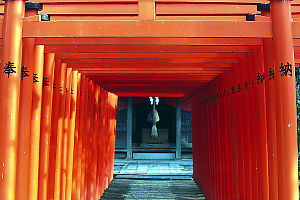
x=64, y=63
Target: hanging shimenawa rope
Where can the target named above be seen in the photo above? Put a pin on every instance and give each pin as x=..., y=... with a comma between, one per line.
x=155, y=119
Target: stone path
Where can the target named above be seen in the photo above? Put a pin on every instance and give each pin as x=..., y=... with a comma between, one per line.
x=130, y=189
x=154, y=167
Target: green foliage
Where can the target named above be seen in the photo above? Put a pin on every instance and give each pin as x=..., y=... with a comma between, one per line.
x=297, y=71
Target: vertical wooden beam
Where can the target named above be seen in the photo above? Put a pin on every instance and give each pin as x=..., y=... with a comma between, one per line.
x=36, y=121
x=253, y=129
x=286, y=112
x=129, y=128
x=25, y=116
x=240, y=133
x=228, y=135
x=98, y=143
x=216, y=139
x=271, y=119
x=233, y=127
x=75, y=176
x=210, y=145
x=221, y=134
x=101, y=142
x=76, y=161
x=178, y=128
x=46, y=125
x=65, y=134
x=81, y=136
x=147, y=10
x=60, y=123
x=53, y=135
x=71, y=131
x=261, y=140
x=246, y=128
x=10, y=93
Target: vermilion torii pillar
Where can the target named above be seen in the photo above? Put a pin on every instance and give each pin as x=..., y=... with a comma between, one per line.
x=286, y=116
x=9, y=93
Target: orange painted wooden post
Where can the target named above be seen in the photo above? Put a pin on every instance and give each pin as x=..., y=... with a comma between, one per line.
x=71, y=131
x=260, y=121
x=53, y=134
x=212, y=144
x=9, y=94
x=286, y=113
x=240, y=133
x=105, y=139
x=89, y=169
x=246, y=128
x=47, y=95
x=224, y=136
x=212, y=141
x=65, y=134
x=81, y=135
x=22, y=192
x=99, y=156
x=233, y=134
x=221, y=138
x=114, y=124
x=98, y=142
x=111, y=140
x=198, y=145
x=210, y=168
x=216, y=126
x=93, y=172
x=95, y=141
x=253, y=129
x=269, y=67
x=101, y=142
x=84, y=146
x=228, y=135
x=271, y=119
x=107, y=128
x=36, y=121
x=87, y=139
x=94, y=144
x=60, y=123
x=199, y=108
x=76, y=160
x=108, y=136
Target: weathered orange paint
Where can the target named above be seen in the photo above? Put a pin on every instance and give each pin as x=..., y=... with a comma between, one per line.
x=65, y=134
x=271, y=121
x=53, y=135
x=10, y=93
x=36, y=121
x=76, y=159
x=60, y=128
x=46, y=125
x=286, y=120
x=70, y=134
x=22, y=175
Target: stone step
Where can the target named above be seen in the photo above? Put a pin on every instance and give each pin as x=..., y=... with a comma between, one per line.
x=131, y=189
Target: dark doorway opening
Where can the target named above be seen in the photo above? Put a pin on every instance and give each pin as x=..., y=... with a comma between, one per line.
x=162, y=147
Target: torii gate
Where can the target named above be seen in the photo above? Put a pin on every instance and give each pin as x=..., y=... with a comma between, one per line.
x=238, y=74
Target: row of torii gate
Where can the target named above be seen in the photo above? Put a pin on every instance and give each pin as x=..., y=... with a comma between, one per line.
x=64, y=62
